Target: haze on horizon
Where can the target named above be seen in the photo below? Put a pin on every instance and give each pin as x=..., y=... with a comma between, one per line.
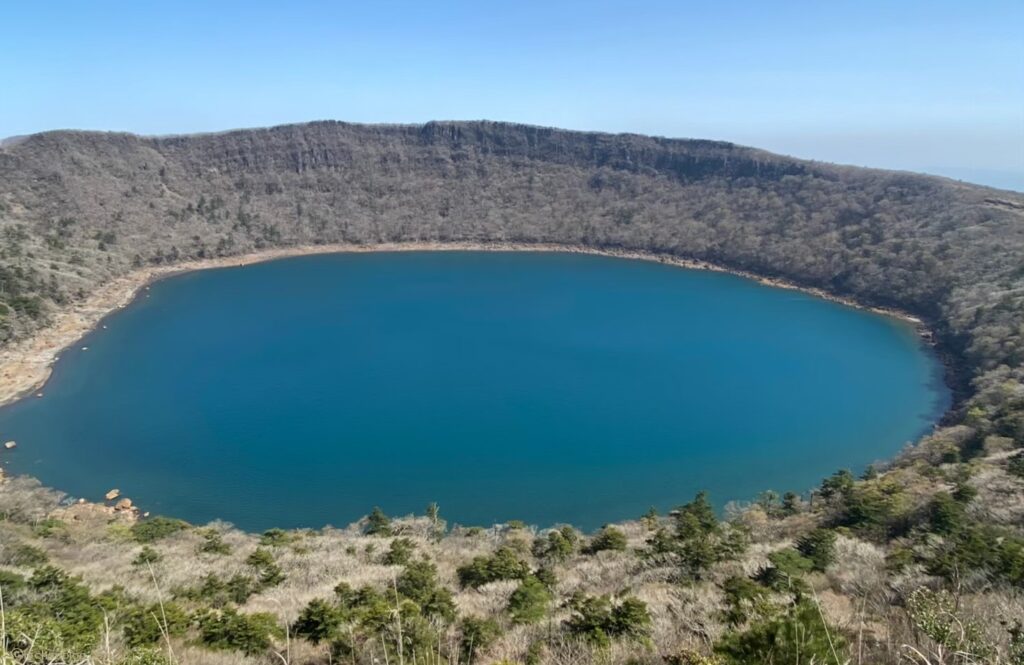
x=935, y=87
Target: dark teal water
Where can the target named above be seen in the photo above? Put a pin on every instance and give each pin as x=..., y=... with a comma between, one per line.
x=535, y=386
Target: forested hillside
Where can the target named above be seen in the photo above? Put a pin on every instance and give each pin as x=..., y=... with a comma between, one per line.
x=78, y=207
x=919, y=561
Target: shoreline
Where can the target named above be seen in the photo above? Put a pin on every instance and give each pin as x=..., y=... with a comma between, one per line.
x=26, y=365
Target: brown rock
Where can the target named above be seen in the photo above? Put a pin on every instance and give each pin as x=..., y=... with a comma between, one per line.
x=123, y=504
x=112, y=494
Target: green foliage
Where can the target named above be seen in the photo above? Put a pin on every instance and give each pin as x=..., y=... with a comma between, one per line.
x=599, y=620
x=228, y=629
x=1015, y=466
x=27, y=556
x=799, y=635
x=607, y=539
x=819, y=546
x=146, y=556
x=875, y=509
x=743, y=599
x=377, y=523
x=981, y=548
x=155, y=528
x=556, y=545
x=399, y=553
x=547, y=577
x=477, y=635
x=318, y=622
x=63, y=616
x=49, y=527
x=418, y=583
x=787, y=568
x=946, y=514
x=269, y=572
x=11, y=584
x=696, y=519
x=213, y=543
x=144, y=626
x=936, y=615
x=529, y=602
x=790, y=504
x=699, y=540
x=899, y=558
x=277, y=538
x=219, y=592
x=504, y=564
x=839, y=484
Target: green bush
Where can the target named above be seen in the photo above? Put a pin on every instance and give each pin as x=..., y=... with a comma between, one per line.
x=839, y=484
x=819, y=546
x=946, y=515
x=744, y=598
x=213, y=543
x=50, y=527
x=529, y=602
x=217, y=592
x=607, y=539
x=799, y=635
x=556, y=545
x=477, y=635
x=504, y=564
x=145, y=626
x=1016, y=465
x=599, y=620
x=318, y=622
x=547, y=577
x=937, y=615
x=64, y=610
x=155, y=528
x=276, y=538
x=270, y=574
x=786, y=569
x=696, y=519
x=146, y=556
x=399, y=553
x=994, y=551
x=228, y=629
x=27, y=556
x=377, y=523
x=790, y=504
x=11, y=584
x=418, y=583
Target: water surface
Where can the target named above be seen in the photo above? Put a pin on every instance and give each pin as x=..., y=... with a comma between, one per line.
x=545, y=387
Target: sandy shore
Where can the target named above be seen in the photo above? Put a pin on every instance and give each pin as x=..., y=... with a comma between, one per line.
x=26, y=365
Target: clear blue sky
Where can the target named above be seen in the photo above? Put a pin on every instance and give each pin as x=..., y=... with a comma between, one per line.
x=935, y=86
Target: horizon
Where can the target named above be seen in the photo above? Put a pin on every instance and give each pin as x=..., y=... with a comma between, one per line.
x=933, y=88
x=11, y=140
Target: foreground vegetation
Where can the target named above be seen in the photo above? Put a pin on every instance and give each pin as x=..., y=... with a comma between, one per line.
x=921, y=560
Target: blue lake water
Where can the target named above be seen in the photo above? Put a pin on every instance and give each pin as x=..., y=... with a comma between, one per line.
x=546, y=387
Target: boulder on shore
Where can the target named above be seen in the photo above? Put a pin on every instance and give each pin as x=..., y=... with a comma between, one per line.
x=123, y=504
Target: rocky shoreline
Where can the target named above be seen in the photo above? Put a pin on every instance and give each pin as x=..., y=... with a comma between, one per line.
x=26, y=365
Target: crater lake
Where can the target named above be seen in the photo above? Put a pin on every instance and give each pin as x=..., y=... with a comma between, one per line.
x=542, y=386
